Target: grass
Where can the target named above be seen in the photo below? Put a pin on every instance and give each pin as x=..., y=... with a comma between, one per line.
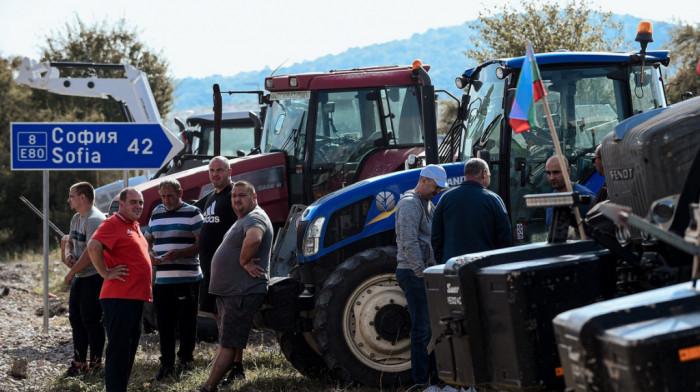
x=266, y=367
x=266, y=370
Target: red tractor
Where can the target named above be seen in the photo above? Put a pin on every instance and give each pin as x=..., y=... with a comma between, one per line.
x=323, y=131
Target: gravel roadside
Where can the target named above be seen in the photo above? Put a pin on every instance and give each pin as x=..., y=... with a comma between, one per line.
x=22, y=335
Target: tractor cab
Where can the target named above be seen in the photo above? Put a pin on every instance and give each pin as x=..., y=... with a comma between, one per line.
x=587, y=93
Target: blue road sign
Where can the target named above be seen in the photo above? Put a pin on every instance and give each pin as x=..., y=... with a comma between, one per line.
x=91, y=146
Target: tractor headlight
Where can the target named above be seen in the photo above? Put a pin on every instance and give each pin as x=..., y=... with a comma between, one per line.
x=312, y=238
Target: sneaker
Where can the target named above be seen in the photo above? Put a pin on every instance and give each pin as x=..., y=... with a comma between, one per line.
x=163, y=372
x=96, y=368
x=76, y=369
x=184, y=367
x=237, y=373
x=418, y=388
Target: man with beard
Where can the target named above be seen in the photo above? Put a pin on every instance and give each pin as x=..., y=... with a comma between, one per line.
x=240, y=270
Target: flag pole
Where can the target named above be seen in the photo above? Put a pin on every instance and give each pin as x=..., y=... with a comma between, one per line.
x=530, y=90
x=562, y=165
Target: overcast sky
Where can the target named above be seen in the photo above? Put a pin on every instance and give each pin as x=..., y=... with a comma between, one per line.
x=204, y=37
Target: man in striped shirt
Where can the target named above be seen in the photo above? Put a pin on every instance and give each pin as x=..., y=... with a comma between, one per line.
x=173, y=237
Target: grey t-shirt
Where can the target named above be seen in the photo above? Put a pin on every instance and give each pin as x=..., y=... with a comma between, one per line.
x=227, y=275
x=81, y=230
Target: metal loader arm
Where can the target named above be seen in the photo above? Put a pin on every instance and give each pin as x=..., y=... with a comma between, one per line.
x=134, y=92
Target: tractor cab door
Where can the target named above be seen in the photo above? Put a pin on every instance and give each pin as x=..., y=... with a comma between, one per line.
x=285, y=130
x=483, y=127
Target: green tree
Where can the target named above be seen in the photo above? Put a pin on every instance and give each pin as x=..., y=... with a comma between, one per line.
x=685, y=50
x=503, y=31
x=14, y=106
x=100, y=43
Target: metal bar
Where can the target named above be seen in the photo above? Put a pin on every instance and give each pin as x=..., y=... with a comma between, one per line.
x=41, y=215
x=46, y=252
x=621, y=215
x=663, y=235
x=70, y=64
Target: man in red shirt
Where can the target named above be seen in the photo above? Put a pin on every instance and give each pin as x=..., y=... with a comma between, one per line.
x=120, y=254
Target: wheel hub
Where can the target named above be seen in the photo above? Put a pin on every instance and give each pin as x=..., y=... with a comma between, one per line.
x=392, y=322
x=378, y=326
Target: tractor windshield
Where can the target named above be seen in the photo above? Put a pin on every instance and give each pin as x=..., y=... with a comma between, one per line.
x=585, y=102
x=285, y=123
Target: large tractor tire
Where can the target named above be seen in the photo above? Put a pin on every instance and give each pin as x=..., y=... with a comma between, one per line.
x=299, y=350
x=362, y=324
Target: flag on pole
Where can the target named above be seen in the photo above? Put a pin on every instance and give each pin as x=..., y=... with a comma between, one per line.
x=530, y=90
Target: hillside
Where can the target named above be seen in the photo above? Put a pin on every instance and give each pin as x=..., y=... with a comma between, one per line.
x=443, y=48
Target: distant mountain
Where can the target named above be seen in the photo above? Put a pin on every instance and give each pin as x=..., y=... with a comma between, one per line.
x=443, y=48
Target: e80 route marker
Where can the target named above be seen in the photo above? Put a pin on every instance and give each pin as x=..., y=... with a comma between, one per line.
x=91, y=146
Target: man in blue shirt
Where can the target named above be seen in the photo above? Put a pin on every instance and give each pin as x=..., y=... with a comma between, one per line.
x=556, y=179
x=470, y=218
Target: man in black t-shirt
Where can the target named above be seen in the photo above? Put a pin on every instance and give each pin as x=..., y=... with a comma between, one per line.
x=218, y=218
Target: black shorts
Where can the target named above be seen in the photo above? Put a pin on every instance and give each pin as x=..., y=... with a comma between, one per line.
x=236, y=314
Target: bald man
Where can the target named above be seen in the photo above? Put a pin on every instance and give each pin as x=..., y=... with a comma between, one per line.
x=556, y=180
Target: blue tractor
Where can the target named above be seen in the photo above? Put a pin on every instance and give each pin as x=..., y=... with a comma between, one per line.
x=334, y=299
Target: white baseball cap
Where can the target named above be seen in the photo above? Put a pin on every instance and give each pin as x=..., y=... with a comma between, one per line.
x=437, y=173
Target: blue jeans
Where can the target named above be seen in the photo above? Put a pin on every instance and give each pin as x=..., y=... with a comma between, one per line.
x=123, y=321
x=422, y=363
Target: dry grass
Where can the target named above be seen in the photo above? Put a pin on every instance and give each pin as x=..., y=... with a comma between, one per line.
x=266, y=370
x=266, y=367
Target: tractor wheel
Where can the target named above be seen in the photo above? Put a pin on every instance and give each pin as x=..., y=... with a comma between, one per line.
x=362, y=324
x=298, y=348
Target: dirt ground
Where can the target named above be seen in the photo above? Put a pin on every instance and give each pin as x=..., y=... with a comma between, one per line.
x=22, y=336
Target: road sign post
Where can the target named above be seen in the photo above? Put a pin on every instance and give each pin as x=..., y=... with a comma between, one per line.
x=86, y=146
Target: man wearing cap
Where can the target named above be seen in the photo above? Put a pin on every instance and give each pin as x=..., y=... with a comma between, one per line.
x=470, y=218
x=414, y=215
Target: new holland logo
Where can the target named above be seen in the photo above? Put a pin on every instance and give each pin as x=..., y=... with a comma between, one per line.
x=385, y=201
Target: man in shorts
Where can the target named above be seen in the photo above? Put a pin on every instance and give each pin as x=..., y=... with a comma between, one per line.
x=239, y=277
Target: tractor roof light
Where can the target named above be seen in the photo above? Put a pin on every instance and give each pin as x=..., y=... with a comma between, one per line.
x=417, y=63
x=501, y=73
x=461, y=82
x=293, y=81
x=644, y=34
x=557, y=199
x=269, y=83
